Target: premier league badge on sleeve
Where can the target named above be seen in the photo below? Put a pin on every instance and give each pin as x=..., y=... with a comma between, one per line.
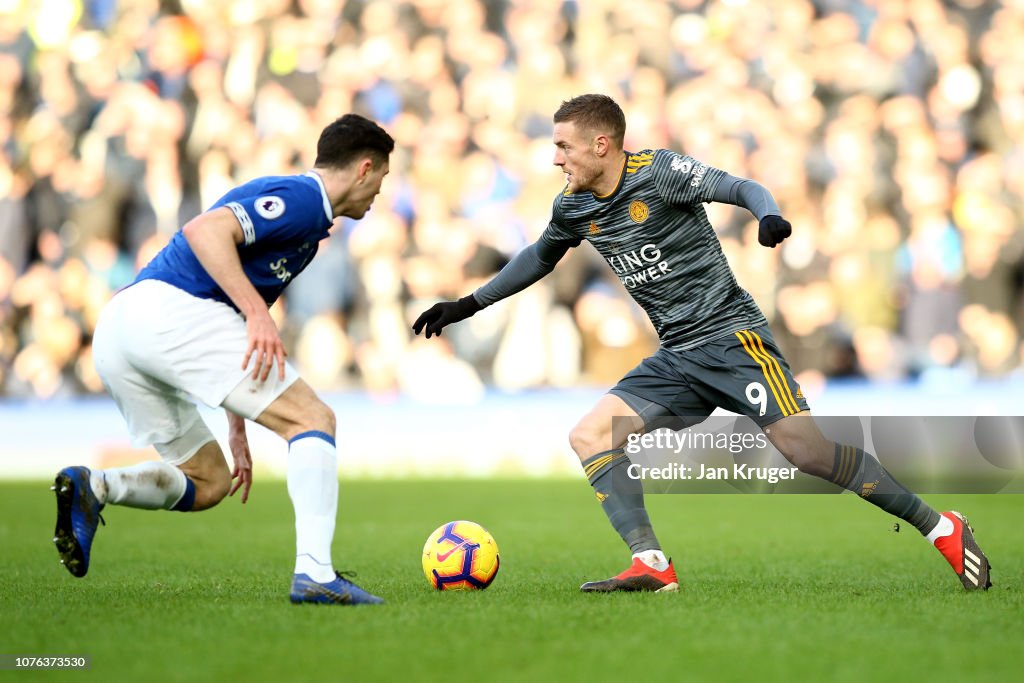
x=681, y=165
x=270, y=207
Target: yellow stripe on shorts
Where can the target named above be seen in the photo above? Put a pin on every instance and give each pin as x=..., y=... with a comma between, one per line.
x=782, y=375
x=769, y=372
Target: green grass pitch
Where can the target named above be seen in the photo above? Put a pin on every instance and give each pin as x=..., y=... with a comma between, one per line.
x=796, y=588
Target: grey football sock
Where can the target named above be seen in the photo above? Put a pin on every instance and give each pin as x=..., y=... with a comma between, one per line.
x=861, y=473
x=622, y=499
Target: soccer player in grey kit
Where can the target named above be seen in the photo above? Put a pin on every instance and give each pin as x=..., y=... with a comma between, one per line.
x=643, y=213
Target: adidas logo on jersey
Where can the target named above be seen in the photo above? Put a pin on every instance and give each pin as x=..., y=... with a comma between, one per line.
x=594, y=230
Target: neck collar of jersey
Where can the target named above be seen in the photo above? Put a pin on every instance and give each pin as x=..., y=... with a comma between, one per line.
x=323, y=193
x=618, y=185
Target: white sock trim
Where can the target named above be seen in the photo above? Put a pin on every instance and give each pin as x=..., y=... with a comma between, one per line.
x=655, y=559
x=943, y=528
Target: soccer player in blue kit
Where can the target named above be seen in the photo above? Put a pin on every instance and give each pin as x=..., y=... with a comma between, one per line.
x=195, y=323
x=643, y=213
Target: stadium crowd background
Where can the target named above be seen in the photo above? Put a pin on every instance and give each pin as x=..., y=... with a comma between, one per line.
x=890, y=131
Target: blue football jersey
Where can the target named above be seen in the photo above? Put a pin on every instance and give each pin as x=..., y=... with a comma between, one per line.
x=283, y=219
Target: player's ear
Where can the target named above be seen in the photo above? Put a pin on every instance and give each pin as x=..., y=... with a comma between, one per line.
x=601, y=145
x=364, y=167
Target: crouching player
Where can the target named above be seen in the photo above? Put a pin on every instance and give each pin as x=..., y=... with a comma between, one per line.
x=195, y=323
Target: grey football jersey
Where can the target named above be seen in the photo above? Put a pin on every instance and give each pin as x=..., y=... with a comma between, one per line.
x=654, y=233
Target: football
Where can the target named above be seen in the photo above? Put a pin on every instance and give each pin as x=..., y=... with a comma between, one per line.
x=460, y=556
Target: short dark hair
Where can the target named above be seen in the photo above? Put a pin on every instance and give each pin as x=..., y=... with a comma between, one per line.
x=596, y=113
x=350, y=137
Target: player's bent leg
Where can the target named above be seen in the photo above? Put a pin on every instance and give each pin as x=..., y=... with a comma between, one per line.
x=208, y=470
x=188, y=477
x=308, y=424
x=598, y=440
x=82, y=493
x=798, y=438
x=800, y=441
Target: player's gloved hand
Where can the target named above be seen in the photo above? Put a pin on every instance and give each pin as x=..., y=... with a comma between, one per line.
x=772, y=230
x=445, y=313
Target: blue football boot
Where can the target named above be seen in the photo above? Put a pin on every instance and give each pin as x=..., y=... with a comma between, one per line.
x=78, y=516
x=339, y=591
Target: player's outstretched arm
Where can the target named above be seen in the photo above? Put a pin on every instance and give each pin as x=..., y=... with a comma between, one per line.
x=213, y=237
x=525, y=268
x=772, y=227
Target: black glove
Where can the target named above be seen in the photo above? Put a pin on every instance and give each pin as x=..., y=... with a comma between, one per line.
x=445, y=313
x=772, y=230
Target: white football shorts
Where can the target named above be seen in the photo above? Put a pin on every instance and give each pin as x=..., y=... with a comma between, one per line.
x=157, y=347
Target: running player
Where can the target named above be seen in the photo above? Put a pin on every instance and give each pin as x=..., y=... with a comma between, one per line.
x=195, y=323
x=643, y=213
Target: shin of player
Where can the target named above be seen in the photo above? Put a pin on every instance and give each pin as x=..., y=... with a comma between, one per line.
x=798, y=438
x=598, y=444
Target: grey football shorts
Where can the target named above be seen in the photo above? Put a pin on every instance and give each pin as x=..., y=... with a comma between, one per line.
x=742, y=372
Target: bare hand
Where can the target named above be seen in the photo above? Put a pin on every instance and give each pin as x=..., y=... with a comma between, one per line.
x=265, y=345
x=242, y=472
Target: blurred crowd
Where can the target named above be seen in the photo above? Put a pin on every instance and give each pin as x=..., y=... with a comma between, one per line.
x=890, y=131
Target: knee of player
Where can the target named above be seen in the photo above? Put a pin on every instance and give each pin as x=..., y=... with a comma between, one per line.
x=322, y=418
x=586, y=440
x=317, y=416
x=212, y=490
